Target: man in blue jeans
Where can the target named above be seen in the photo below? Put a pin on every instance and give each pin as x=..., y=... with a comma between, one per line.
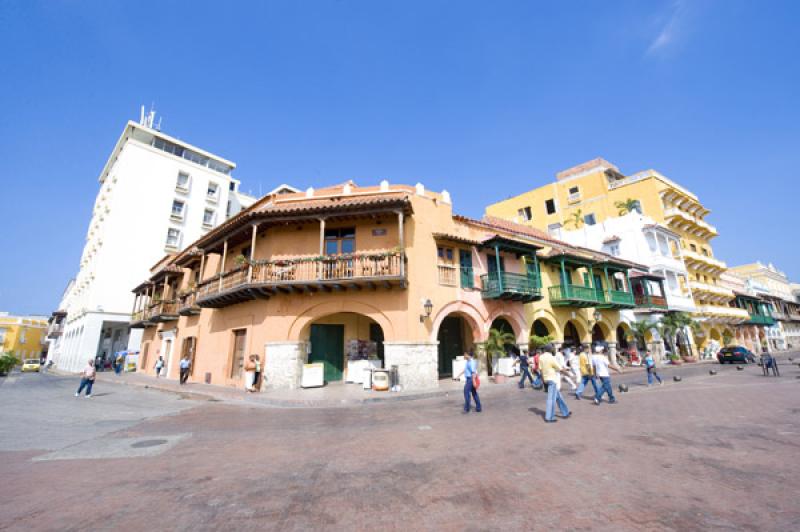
x=470, y=371
x=600, y=364
x=524, y=369
x=551, y=374
x=587, y=374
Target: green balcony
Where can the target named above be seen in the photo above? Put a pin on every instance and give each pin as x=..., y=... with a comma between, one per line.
x=571, y=295
x=511, y=286
x=759, y=319
x=617, y=299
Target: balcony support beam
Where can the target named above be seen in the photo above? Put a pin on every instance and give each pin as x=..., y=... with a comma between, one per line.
x=202, y=268
x=401, y=241
x=499, y=271
x=252, y=254
x=222, y=264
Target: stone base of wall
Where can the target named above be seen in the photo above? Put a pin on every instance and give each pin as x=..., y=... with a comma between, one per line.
x=283, y=365
x=417, y=363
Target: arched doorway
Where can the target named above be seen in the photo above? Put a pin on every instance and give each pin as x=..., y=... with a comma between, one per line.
x=622, y=339
x=502, y=325
x=455, y=336
x=540, y=328
x=599, y=336
x=343, y=337
x=571, y=337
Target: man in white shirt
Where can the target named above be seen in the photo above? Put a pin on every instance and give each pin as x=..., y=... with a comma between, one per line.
x=552, y=370
x=601, y=364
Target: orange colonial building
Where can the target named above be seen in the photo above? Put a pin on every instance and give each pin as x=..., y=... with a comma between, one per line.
x=319, y=275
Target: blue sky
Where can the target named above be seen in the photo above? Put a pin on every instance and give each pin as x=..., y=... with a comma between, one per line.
x=485, y=99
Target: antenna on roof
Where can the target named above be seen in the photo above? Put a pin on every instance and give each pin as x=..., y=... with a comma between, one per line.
x=149, y=119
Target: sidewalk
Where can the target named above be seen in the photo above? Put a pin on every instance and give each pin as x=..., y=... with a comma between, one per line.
x=333, y=395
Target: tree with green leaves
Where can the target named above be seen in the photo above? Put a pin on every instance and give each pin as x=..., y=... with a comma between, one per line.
x=639, y=330
x=672, y=324
x=629, y=205
x=575, y=219
x=539, y=341
x=496, y=344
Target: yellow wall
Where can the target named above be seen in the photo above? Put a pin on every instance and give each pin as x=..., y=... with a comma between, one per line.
x=23, y=336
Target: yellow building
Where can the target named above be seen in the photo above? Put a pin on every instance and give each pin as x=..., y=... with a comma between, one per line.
x=593, y=191
x=22, y=335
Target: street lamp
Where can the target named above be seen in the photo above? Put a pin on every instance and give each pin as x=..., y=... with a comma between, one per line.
x=427, y=307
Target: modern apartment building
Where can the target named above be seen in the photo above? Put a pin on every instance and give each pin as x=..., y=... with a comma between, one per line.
x=157, y=193
x=593, y=192
x=332, y=274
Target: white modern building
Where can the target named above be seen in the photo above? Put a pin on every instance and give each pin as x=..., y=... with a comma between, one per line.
x=188, y=191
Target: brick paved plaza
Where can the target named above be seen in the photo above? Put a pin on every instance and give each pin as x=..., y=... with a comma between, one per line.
x=710, y=452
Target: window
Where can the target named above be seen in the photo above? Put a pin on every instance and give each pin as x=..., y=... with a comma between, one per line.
x=589, y=219
x=574, y=194
x=467, y=274
x=182, y=182
x=177, y=209
x=208, y=217
x=237, y=357
x=525, y=214
x=213, y=190
x=550, y=206
x=554, y=230
x=444, y=254
x=637, y=206
x=614, y=249
x=693, y=247
x=173, y=237
x=228, y=210
x=705, y=251
x=232, y=186
x=340, y=241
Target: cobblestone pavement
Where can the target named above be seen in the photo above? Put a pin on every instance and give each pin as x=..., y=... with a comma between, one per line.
x=710, y=452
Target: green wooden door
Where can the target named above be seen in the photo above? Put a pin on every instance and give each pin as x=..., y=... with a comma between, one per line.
x=451, y=344
x=598, y=287
x=327, y=347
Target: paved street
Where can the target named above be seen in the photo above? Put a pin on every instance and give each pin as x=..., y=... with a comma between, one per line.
x=710, y=452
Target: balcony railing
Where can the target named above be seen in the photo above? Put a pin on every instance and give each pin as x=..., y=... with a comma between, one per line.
x=447, y=274
x=572, y=295
x=187, y=304
x=760, y=319
x=649, y=301
x=618, y=299
x=467, y=277
x=303, y=274
x=511, y=286
x=55, y=330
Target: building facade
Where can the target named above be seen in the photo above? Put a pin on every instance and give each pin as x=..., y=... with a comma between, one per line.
x=156, y=194
x=596, y=191
x=334, y=274
x=24, y=336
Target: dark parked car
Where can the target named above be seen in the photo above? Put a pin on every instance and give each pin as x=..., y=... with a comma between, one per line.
x=735, y=354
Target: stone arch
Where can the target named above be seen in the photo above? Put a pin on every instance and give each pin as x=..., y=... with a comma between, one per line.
x=471, y=314
x=300, y=327
x=622, y=332
x=574, y=333
x=542, y=326
x=517, y=322
x=601, y=332
x=714, y=334
x=548, y=320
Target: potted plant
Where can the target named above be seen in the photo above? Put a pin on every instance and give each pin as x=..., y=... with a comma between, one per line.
x=7, y=363
x=539, y=341
x=675, y=359
x=495, y=351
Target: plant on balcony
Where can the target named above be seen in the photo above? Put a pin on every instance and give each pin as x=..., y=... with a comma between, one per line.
x=240, y=260
x=496, y=345
x=575, y=219
x=627, y=206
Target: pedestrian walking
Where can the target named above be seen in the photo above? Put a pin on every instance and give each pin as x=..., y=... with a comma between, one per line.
x=159, y=365
x=250, y=374
x=573, y=364
x=471, y=382
x=566, y=375
x=600, y=364
x=257, y=378
x=87, y=379
x=537, y=375
x=650, y=367
x=524, y=369
x=587, y=374
x=552, y=372
x=118, y=363
x=186, y=365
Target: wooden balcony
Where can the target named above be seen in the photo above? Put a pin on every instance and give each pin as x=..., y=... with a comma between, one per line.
x=55, y=330
x=303, y=275
x=571, y=295
x=187, y=304
x=448, y=274
x=139, y=320
x=510, y=286
x=616, y=299
x=163, y=311
x=648, y=302
x=761, y=319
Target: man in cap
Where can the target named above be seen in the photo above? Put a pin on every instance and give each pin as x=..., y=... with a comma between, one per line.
x=551, y=374
x=600, y=364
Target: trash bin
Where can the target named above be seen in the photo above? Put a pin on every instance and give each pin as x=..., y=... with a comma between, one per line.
x=380, y=380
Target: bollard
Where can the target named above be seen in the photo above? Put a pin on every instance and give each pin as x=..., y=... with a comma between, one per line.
x=623, y=388
x=677, y=378
x=712, y=372
x=739, y=368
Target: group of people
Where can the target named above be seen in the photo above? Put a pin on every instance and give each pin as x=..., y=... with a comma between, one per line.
x=549, y=367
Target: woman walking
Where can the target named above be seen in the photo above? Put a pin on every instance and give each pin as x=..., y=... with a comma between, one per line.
x=159, y=365
x=87, y=379
x=471, y=382
x=250, y=374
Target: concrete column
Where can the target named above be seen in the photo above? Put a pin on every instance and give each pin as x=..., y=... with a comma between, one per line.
x=417, y=363
x=283, y=365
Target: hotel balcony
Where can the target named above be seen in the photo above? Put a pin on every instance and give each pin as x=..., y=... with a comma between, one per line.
x=55, y=330
x=304, y=274
x=683, y=221
x=187, y=304
x=510, y=286
x=703, y=263
x=712, y=292
x=722, y=314
x=649, y=302
x=164, y=311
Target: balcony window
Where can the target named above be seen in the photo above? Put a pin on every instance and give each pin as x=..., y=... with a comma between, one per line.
x=614, y=249
x=182, y=183
x=213, y=191
x=208, y=217
x=173, y=238
x=340, y=241
x=178, y=207
x=550, y=206
x=525, y=214
x=574, y=194
x=590, y=219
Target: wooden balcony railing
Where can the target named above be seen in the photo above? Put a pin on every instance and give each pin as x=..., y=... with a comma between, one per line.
x=302, y=274
x=650, y=301
x=571, y=295
x=618, y=299
x=187, y=304
x=447, y=274
x=513, y=286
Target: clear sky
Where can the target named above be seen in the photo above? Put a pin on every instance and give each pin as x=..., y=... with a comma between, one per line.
x=485, y=99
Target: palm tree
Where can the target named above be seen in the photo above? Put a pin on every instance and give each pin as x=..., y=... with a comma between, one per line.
x=497, y=342
x=674, y=323
x=575, y=219
x=639, y=330
x=629, y=205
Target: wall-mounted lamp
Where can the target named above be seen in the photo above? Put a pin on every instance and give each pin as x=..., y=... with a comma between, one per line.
x=427, y=309
x=597, y=316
